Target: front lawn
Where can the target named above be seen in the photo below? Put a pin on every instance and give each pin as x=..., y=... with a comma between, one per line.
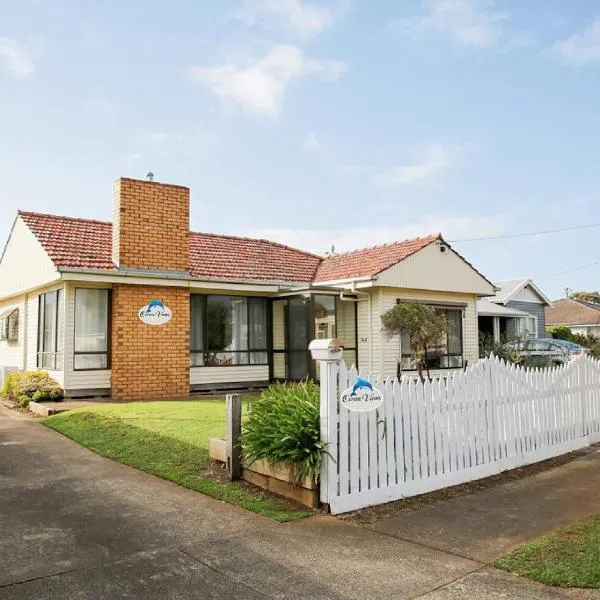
x=569, y=557
x=170, y=440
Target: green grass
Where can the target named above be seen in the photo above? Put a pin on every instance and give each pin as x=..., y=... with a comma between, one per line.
x=170, y=440
x=569, y=557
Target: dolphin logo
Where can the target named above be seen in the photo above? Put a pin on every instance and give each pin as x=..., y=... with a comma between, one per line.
x=361, y=383
x=153, y=303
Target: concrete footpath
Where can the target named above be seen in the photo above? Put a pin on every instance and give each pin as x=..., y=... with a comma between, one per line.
x=76, y=525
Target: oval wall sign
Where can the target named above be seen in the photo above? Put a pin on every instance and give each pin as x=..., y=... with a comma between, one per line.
x=361, y=397
x=155, y=313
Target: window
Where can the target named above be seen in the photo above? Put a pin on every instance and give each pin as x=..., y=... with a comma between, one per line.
x=527, y=327
x=50, y=330
x=9, y=326
x=228, y=331
x=92, y=322
x=449, y=354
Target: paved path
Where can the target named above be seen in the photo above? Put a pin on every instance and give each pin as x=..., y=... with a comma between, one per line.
x=488, y=523
x=76, y=525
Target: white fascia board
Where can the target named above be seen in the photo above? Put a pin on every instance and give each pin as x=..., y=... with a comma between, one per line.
x=137, y=279
x=344, y=283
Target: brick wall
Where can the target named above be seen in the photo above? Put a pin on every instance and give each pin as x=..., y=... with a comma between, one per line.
x=151, y=222
x=150, y=362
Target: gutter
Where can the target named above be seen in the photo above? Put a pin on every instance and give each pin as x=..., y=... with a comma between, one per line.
x=174, y=276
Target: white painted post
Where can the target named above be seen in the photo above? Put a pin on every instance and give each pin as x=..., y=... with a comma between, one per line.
x=329, y=354
x=496, y=324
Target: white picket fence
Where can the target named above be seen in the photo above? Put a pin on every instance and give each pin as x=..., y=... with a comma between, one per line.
x=425, y=436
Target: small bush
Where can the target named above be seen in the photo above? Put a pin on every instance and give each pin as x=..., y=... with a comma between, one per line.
x=591, y=342
x=488, y=346
x=22, y=387
x=560, y=332
x=283, y=427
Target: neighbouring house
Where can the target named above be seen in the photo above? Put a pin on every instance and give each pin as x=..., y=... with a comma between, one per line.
x=142, y=308
x=579, y=316
x=516, y=311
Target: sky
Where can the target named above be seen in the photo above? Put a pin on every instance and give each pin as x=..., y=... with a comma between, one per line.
x=318, y=123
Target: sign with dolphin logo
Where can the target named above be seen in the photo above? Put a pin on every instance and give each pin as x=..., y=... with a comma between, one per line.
x=155, y=313
x=361, y=397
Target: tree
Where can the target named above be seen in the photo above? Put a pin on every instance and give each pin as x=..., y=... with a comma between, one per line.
x=593, y=297
x=424, y=327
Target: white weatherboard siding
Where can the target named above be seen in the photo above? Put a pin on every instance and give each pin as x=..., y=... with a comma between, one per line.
x=240, y=374
x=25, y=264
x=386, y=352
x=79, y=380
x=431, y=269
x=364, y=333
x=12, y=354
x=526, y=295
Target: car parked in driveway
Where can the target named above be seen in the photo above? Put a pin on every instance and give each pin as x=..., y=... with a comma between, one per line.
x=573, y=348
x=543, y=350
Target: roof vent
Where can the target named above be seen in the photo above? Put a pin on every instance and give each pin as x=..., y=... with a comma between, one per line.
x=150, y=176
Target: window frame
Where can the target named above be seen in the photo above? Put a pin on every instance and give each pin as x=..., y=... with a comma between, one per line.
x=441, y=307
x=250, y=350
x=5, y=325
x=58, y=357
x=108, y=351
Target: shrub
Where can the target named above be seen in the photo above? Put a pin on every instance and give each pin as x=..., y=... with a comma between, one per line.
x=488, y=346
x=283, y=427
x=22, y=387
x=560, y=332
x=591, y=342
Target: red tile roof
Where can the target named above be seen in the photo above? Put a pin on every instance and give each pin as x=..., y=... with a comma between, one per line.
x=370, y=261
x=229, y=257
x=70, y=242
x=87, y=244
x=568, y=311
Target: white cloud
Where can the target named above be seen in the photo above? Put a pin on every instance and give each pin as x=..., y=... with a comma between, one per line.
x=304, y=18
x=20, y=58
x=582, y=48
x=437, y=159
x=321, y=240
x=434, y=160
x=259, y=86
x=471, y=23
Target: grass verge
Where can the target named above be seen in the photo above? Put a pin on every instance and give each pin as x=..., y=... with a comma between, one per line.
x=170, y=440
x=568, y=557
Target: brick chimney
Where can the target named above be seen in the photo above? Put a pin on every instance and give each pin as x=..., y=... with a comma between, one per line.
x=151, y=223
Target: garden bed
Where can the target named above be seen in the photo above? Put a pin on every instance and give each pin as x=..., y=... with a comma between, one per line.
x=276, y=479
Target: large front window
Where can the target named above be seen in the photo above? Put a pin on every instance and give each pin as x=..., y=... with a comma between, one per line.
x=446, y=355
x=50, y=330
x=227, y=331
x=91, y=329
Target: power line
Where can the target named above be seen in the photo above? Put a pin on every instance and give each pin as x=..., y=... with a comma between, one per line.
x=527, y=234
x=567, y=271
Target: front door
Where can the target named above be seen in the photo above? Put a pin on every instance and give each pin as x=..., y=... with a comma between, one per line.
x=292, y=333
x=299, y=336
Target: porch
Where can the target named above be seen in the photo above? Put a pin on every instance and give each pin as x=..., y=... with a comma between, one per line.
x=501, y=324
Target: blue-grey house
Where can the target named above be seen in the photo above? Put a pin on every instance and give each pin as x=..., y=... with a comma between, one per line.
x=516, y=311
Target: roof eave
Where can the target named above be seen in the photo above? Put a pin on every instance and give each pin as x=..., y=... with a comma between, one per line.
x=174, y=276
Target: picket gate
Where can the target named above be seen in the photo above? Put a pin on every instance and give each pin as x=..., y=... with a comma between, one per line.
x=489, y=418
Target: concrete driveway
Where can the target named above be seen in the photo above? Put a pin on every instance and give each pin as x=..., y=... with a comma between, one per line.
x=78, y=526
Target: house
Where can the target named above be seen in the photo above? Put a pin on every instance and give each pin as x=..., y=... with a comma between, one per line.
x=579, y=316
x=143, y=308
x=516, y=311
